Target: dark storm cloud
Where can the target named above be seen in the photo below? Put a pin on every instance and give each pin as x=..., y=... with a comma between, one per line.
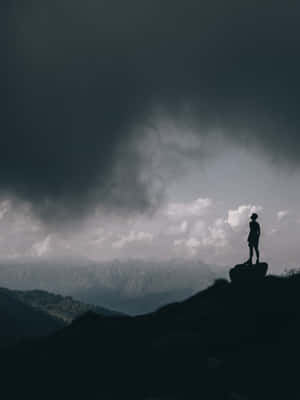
x=83, y=75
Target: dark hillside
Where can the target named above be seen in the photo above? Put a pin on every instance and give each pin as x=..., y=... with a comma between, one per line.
x=19, y=321
x=229, y=341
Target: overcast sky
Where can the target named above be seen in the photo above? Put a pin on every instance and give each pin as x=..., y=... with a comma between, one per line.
x=150, y=129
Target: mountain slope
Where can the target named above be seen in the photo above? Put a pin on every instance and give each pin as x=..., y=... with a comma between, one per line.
x=19, y=321
x=228, y=341
x=63, y=307
x=36, y=313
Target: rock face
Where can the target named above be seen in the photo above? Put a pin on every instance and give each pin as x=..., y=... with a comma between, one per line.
x=247, y=272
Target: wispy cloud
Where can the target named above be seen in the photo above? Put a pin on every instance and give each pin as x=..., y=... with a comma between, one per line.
x=131, y=237
x=239, y=216
x=194, y=208
x=282, y=214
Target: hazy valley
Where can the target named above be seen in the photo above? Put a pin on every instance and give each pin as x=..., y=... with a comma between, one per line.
x=132, y=286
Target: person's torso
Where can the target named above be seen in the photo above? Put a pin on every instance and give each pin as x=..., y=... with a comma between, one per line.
x=254, y=229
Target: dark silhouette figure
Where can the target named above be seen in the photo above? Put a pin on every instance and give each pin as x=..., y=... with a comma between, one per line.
x=253, y=238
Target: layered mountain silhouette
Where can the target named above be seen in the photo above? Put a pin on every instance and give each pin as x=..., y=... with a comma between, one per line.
x=231, y=341
x=37, y=313
x=19, y=320
x=62, y=307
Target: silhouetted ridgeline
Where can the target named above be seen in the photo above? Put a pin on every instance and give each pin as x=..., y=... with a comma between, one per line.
x=34, y=313
x=62, y=307
x=19, y=320
x=229, y=341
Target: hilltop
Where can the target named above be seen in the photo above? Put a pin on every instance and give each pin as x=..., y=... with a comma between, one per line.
x=226, y=342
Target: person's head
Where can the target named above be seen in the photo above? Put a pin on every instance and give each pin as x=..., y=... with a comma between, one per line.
x=254, y=216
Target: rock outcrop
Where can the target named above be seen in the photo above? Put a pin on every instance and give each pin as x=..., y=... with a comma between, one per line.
x=246, y=272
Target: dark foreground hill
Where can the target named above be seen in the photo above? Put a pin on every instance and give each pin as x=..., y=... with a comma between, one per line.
x=231, y=341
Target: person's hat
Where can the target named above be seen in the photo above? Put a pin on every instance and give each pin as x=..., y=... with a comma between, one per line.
x=254, y=216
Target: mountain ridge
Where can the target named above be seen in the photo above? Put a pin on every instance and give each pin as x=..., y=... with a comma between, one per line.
x=19, y=320
x=63, y=308
x=227, y=339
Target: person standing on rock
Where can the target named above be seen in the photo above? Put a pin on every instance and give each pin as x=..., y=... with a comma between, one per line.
x=253, y=238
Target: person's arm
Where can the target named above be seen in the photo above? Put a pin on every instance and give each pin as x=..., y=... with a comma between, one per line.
x=258, y=230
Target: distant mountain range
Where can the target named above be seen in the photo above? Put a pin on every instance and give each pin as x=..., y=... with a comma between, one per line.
x=230, y=341
x=132, y=286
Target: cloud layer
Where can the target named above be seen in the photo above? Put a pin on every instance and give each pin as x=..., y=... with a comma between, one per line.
x=86, y=80
x=217, y=235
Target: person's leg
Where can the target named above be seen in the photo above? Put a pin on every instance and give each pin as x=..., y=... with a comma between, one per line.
x=250, y=253
x=257, y=254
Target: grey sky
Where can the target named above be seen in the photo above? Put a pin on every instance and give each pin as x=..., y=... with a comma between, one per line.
x=126, y=107
x=204, y=216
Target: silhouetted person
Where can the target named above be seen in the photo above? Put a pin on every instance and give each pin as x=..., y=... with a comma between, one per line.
x=253, y=238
